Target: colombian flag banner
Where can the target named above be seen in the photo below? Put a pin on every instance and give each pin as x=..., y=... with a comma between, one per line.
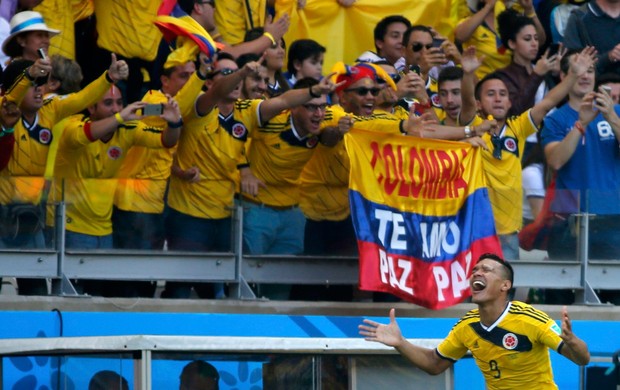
x=421, y=213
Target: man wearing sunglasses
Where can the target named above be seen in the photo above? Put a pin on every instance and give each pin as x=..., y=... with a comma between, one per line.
x=213, y=148
x=502, y=160
x=425, y=54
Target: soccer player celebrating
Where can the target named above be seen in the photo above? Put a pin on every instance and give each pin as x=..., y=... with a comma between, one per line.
x=508, y=339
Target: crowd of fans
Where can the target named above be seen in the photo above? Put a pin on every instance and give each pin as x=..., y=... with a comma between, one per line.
x=151, y=145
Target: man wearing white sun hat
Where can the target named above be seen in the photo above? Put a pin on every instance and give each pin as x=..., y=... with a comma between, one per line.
x=28, y=34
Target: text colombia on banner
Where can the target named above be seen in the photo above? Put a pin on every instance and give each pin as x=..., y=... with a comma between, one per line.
x=421, y=213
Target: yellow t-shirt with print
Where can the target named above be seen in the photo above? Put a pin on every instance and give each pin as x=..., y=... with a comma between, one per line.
x=144, y=174
x=504, y=176
x=216, y=145
x=87, y=169
x=489, y=44
x=324, y=180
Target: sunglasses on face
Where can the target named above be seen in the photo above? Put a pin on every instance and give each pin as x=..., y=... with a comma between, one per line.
x=223, y=72
x=363, y=91
x=417, y=46
x=315, y=107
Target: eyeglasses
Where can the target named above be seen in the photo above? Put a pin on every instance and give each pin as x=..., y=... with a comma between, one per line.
x=315, y=107
x=363, y=91
x=223, y=72
x=417, y=46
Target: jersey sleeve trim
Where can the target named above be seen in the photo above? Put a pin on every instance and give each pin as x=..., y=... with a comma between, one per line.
x=444, y=357
x=88, y=132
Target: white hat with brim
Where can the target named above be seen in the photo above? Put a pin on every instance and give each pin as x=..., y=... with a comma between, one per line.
x=23, y=22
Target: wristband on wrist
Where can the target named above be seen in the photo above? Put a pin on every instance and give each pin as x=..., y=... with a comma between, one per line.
x=314, y=95
x=271, y=38
x=176, y=125
x=108, y=78
x=579, y=126
x=468, y=132
x=5, y=130
x=119, y=118
x=27, y=74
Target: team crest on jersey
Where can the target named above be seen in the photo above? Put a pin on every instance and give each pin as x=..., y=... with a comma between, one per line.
x=510, y=144
x=510, y=341
x=238, y=130
x=312, y=141
x=114, y=152
x=45, y=136
x=435, y=100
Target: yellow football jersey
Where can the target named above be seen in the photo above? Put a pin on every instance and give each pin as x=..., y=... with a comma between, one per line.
x=489, y=43
x=504, y=176
x=58, y=14
x=216, y=145
x=144, y=173
x=324, y=180
x=512, y=353
x=234, y=17
x=126, y=27
x=87, y=169
x=26, y=168
x=277, y=156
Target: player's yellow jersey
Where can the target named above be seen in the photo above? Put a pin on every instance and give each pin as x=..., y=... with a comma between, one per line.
x=144, y=173
x=504, y=175
x=216, y=145
x=512, y=353
x=87, y=168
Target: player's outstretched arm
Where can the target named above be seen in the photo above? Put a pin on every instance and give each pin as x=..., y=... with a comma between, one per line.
x=424, y=358
x=574, y=348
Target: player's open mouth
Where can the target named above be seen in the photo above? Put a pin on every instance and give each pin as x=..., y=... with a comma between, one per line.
x=478, y=285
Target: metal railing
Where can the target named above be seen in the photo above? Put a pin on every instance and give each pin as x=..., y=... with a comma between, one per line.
x=61, y=265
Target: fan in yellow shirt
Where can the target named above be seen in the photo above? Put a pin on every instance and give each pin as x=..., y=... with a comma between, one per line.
x=90, y=154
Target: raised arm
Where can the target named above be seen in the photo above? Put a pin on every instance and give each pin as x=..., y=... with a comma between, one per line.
x=222, y=87
x=574, y=348
x=93, y=92
x=469, y=62
x=274, y=31
x=559, y=152
x=466, y=28
x=530, y=12
x=579, y=64
x=424, y=358
x=295, y=97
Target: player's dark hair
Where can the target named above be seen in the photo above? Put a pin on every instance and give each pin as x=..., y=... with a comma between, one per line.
x=509, y=273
